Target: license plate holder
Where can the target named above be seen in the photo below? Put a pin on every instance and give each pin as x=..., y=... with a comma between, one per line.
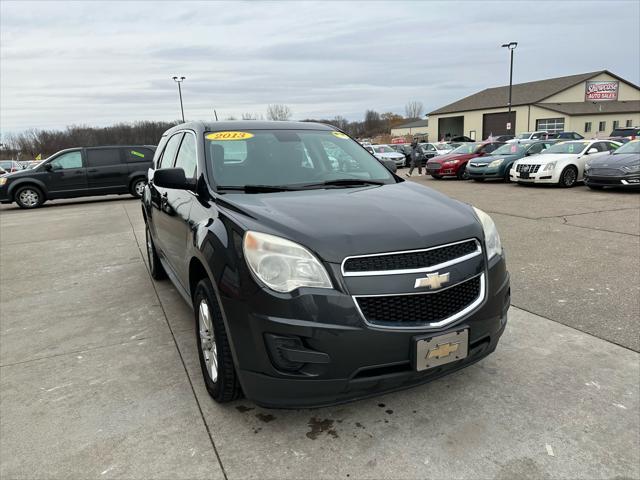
x=436, y=350
x=524, y=175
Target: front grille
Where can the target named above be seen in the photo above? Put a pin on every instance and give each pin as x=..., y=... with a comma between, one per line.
x=410, y=260
x=478, y=165
x=434, y=166
x=604, y=172
x=419, y=309
x=527, y=168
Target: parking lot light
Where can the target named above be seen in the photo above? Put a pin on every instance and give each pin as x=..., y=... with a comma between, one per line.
x=179, y=80
x=511, y=46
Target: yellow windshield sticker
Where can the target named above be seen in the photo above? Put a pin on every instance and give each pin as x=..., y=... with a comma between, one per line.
x=340, y=135
x=229, y=136
x=137, y=154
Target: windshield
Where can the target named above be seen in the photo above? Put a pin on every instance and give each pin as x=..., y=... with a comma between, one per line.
x=442, y=146
x=509, y=149
x=466, y=148
x=566, y=147
x=631, y=147
x=383, y=149
x=524, y=136
x=290, y=158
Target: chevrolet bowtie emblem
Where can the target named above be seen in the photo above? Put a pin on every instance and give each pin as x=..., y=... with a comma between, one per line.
x=443, y=350
x=433, y=280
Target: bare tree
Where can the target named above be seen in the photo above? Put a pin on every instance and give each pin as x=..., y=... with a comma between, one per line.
x=252, y=116
x=278, y=112
x=413, y=109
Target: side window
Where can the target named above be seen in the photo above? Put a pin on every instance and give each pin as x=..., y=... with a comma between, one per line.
x=600, y=146
x=431, y=148
x=138, y=154
x=187, y=158
x=611, y=146
x=170, y=149
x=67, y=161
x=537, y=148
x=103, y=157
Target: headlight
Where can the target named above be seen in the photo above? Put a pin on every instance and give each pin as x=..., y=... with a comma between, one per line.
x=491, y=237
x=549, y=166
x=627, y=168
x=496, y=163
x=283, y=265
x=3, y=180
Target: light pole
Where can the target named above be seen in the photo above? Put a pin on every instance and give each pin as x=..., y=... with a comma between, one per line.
x=179, y=80
x=511, y=46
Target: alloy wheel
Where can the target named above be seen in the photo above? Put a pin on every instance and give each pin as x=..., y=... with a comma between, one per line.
x=139, y=188
x=208, y=340
x=569, y=177
x=29, y=197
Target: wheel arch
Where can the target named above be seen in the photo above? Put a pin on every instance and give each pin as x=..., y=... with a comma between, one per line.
x=24, y=182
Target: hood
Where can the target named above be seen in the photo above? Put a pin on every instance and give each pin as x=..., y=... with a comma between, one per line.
x=490, y=158
x=616, y=161
x=336, y=223
x=456, y=156
x=548, y=157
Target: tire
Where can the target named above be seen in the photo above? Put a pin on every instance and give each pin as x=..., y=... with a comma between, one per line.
x=507, y=177
x=478, y=179
x=462, y=173
x=569, y=177
x=214, y=352
x=596, y=187
x=437, y=177
x=137, y=187
x=29, y=196
x=155, y=267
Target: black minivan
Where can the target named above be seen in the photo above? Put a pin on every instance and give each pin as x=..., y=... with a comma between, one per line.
x=308, y=286
x=80, y=172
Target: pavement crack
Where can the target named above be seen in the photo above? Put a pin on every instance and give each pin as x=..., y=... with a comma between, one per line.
x=175, y=342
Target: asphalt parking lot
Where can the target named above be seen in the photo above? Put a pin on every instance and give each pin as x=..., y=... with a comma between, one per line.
x=99, y=375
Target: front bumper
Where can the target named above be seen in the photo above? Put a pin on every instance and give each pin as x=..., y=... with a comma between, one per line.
x=357, y=360
x=484, y=172
x=549, y=176
x=444, y=170
x=623, y=181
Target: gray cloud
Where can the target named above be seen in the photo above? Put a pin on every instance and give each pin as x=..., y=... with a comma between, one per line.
x=95, y=63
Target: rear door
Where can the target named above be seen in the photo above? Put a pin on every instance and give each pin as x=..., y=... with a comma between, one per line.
x=66, y=176
x=106, y=170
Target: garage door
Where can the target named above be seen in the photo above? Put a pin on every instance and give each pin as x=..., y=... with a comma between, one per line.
x=496, y=124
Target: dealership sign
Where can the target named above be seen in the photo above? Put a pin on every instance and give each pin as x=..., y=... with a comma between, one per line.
x=596, y=91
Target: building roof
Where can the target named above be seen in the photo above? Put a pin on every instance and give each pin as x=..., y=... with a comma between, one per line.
x=414, y=124
x=522, y=93
x=587, y=108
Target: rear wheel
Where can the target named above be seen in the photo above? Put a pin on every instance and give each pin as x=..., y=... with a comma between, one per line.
x=214, y=351
x=569, y=176
x=29, y=196
x=137, y=187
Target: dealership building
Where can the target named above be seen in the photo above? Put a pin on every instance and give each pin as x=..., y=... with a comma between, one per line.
x=592, y=104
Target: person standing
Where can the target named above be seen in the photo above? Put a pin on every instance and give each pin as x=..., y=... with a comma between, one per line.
x=416, y=161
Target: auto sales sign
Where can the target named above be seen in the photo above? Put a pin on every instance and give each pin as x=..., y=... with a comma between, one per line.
x=598, y=91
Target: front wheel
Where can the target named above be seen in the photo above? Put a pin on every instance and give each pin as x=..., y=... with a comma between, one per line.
x=569, y=177
x=214, y=351
x=462, y=173
x=29, y=196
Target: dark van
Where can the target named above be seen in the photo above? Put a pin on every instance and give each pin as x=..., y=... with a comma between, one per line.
x=80, y=172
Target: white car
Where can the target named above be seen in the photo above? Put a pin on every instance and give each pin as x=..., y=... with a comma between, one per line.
x=431, y=150
x=539, y=135
x=385, y=152
x=562, y=163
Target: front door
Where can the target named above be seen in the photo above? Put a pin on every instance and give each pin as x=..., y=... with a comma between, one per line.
x=107, y=171
x=66, y=176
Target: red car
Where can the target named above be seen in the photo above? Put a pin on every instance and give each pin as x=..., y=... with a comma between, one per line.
x=454, y=163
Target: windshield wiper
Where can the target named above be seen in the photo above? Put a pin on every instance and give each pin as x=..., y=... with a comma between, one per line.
x=347, y=182
x=257, y=188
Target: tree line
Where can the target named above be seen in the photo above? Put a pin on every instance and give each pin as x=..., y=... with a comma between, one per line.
x=31, y=143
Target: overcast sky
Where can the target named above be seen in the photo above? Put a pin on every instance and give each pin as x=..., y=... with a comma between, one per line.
x=96, y=63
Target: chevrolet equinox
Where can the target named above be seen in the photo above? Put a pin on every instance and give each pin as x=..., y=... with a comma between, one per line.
x=308, y=287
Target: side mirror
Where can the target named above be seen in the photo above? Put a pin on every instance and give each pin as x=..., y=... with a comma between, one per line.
x=173, y=178
x=48, y=167
x=389, y=165
x=611, y=152
x=592, y=150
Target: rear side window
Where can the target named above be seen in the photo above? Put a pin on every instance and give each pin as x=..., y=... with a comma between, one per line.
x=187, y=157
x=103, y=157
x=137, y=154
x=169, y=153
